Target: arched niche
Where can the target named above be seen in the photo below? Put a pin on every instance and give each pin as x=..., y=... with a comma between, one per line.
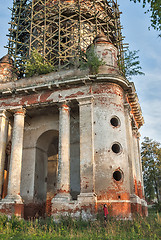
x=46, y=167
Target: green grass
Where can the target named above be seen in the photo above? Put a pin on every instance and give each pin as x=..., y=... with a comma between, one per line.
x=67, y=228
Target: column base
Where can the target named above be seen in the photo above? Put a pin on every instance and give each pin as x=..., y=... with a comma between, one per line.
x=62, y=197
x=138, y=206
x=12, y=205
x=61, y=205
x=12, y=199
x=87, y=198
x=87, y=203
x=84, y=207
x=135, y=199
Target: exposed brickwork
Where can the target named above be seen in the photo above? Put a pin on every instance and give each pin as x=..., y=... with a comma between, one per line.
x=6, y=70
x=12, y=209
x=136, y=208
x=34, y=210
x=117, y=209
x=48, y=207
x=114, y=194
x=71, y=119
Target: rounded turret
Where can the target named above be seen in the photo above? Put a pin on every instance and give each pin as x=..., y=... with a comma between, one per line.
x=107, y=53
x=6, y=69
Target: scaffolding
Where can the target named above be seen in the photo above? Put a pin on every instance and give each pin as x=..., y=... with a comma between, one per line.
x=61, y=30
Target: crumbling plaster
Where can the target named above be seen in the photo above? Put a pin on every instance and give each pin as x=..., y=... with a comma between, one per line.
x=108, y=100
x=68, y=127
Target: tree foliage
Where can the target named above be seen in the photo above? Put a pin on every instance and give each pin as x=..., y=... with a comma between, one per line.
x=132, y=64
x=36, y=65
x=155, y=10
x=151, y=162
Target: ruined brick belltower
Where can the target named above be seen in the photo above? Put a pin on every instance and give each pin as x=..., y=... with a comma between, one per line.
x=69, y=139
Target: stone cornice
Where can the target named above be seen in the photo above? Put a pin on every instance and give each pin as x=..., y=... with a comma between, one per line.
x=69, y=79
x=58, y=84
x=135, y=108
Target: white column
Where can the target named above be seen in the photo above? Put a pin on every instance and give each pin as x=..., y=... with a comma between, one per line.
x=3, y=142
x=140, y=163
x=87, y=174
x=63, y=186
x=16, y=158
x=130, y=147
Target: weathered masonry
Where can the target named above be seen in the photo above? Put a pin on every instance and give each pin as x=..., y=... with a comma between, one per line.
x=69, y=140
x=70, y=143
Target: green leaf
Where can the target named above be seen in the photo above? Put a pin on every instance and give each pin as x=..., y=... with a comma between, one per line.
x=154, y=7
x=151, y=162
x=37, y=65
x=131, y=64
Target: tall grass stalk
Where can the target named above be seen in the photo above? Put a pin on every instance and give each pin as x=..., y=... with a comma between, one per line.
x=68, y=228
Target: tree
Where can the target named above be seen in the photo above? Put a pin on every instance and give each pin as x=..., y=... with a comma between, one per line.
x=155, y=10
x=132, y=64
x=151, y=162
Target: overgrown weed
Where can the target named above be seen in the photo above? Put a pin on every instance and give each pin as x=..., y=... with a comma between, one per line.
x=68, y=228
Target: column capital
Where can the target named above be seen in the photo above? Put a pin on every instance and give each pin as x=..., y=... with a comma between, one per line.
x=64, y=106
x=85, y=101
x=127, y=107
x=4, y=113
x=19, y=111
x=136, y=132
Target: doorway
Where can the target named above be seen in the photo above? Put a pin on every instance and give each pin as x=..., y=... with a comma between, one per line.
x=46, y=170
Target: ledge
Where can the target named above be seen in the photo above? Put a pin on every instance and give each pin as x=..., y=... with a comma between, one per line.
x=53, y=81
x=69, y=78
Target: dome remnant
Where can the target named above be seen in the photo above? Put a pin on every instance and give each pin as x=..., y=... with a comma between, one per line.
x=6, y=69
x=61, y=30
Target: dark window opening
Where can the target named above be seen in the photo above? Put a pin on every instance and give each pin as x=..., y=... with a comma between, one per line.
x=115, y=122
x=116, y=148
x=117, y=175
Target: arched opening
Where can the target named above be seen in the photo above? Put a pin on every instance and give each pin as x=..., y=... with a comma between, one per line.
x=46, y=170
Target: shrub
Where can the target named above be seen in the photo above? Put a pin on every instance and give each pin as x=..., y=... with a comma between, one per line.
x=36, y=65
x=92, y=60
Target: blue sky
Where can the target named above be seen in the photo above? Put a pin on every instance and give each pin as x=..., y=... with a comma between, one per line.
x=148, y=87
